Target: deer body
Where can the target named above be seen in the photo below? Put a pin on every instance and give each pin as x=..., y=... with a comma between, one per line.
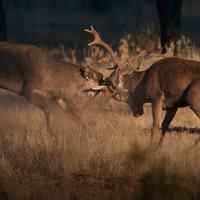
x=168, y=84
x=29, y=67
x=169, y=77
x=32, y=73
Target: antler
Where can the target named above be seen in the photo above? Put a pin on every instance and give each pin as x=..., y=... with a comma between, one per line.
x=127, y=66
x=99, y=42
x=106, y=95
x=129, y=63
x=119, y=69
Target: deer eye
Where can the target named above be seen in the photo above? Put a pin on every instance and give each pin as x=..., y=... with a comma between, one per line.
x=101, y=81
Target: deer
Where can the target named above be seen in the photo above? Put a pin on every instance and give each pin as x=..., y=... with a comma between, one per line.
x=168, y=84
x=32, y=73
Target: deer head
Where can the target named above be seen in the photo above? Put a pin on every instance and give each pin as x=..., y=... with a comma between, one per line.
x=114, y=83
x=94, y=78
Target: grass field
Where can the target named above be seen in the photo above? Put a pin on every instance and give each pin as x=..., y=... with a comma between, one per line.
x=111, y=161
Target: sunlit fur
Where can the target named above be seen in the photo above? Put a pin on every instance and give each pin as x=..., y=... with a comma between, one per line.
x=32, y=73
x=168, y=84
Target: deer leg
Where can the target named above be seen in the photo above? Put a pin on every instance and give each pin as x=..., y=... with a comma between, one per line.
x=156, y=111
x=193, y=98
x=166, y=122
x=71, y=111
x=47, y=117
x=40, y=101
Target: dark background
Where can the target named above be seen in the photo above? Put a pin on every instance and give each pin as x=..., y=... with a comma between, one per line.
x=49, y=22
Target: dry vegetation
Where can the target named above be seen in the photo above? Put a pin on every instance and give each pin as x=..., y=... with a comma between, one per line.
x=111, y=161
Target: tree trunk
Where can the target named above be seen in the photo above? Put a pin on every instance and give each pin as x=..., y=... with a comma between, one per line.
x=3, y=31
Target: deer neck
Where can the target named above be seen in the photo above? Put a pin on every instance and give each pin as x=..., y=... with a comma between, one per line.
x=132, y=81
x=130, y=85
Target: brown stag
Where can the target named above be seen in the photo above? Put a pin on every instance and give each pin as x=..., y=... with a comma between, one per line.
x=32, y=73
x=168, y=84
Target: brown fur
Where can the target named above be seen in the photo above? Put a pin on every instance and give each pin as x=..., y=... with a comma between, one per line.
x=32, y=73
x=168, y=84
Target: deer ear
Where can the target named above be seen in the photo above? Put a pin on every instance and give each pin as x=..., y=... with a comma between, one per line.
x=137, y=67
x=90, y=74
x=86, y=72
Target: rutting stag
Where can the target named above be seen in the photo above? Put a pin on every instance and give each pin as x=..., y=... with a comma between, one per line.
x=168, y=84
x=32, y=73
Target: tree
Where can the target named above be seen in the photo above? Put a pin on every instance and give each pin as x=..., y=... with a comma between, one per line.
x=96, y=5
x=3, y=28
x=169, y=12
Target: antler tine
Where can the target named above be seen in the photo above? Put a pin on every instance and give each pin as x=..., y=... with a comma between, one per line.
x=97, y=38
x=138, y=56
x=133, y=58
x=99, y=42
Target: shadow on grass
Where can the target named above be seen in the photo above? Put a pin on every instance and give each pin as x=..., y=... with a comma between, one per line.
x=183, y=129
x=157, y=182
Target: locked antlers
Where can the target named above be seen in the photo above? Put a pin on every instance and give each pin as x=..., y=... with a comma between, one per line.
x=119, y=69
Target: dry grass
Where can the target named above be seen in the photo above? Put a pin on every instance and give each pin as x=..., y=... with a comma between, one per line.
x=111, y=161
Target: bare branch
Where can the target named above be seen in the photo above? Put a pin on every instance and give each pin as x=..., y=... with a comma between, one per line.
x=62, y=49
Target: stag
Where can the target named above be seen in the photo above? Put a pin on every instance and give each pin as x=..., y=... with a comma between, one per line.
x=33, y=74
x=168, y=84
